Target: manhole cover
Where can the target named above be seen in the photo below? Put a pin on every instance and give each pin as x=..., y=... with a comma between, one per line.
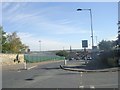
x=29, y=79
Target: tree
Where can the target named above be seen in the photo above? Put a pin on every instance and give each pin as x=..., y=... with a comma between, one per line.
x=118, y=40
x=109, y=55
x=106, y=45
x=15, y=44
x=0, y=39
x=62, y=53
x=11, y=43
x=3, y=40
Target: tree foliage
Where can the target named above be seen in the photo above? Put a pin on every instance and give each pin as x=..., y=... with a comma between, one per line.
x=0, y=39
x=3, y=39
x=109, y=55
x=11, y=43
x=106, y=45
x=62, y=53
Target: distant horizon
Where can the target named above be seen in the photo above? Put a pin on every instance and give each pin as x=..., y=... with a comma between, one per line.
x=64, y=49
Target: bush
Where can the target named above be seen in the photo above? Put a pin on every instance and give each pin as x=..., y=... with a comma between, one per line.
x=109, y=58
x=62, y=53
x=112, y=62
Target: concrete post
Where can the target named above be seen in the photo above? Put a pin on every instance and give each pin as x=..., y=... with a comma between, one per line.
x=85, y=55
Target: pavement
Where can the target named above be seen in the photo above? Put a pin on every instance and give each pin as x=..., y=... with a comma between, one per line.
x=91, y=66
x=24, y=66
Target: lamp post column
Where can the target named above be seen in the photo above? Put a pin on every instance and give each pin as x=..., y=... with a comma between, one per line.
x=91, y=29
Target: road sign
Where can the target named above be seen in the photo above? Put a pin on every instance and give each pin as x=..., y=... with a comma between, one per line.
x=84, y=43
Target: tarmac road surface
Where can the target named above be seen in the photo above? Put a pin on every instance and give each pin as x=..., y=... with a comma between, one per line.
x=50, y=75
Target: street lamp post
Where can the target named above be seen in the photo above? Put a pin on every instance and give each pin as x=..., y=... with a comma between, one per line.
x=91, y=25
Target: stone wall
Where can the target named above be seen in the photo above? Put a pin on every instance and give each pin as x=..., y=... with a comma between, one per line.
x=8, y=59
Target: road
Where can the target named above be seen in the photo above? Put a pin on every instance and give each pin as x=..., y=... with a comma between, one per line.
x=51, y=76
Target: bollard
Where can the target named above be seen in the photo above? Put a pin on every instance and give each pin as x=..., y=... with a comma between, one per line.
x=25, y=65
x=65, y=61
x=85, y=60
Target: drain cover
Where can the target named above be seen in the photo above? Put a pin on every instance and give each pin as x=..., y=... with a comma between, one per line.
x=29, y=79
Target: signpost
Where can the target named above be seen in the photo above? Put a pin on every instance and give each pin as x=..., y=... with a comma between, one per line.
x=85, y=45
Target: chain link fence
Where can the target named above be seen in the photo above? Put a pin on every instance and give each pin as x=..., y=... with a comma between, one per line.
x=32, y=58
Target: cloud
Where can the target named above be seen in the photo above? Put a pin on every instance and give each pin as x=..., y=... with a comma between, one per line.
x=64, y=21
x=12, y=12
x=57, y=28
x=40, y=20
x=5, y=5
x=33, y=25
x=14, y=8
x=11, y=7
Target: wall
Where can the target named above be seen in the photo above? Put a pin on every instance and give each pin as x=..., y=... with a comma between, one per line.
x=8, y=59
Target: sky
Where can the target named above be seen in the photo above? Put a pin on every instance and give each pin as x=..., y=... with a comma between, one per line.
x=58, y=25
x=119, y=11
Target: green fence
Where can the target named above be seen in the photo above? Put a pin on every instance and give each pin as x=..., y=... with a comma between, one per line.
x=31, y=58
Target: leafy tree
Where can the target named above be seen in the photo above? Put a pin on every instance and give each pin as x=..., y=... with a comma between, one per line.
x=15, y=44
x=3, y=40
x=11, y=43
x=106, y=45
x=118, y=40
x=62, y=53
x=109, y=55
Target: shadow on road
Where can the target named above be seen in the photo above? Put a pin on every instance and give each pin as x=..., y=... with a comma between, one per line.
x=51, y=68
x=69, y=73
x=91, y=65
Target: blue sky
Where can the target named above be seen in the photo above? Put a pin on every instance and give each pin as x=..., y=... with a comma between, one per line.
x=58, y=24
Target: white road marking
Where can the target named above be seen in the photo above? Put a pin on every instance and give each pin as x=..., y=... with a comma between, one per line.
x=31, y=67
x=81, y=72
x=18, y=71
x=81, y=86
x=81, y=80
x=91, y=86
